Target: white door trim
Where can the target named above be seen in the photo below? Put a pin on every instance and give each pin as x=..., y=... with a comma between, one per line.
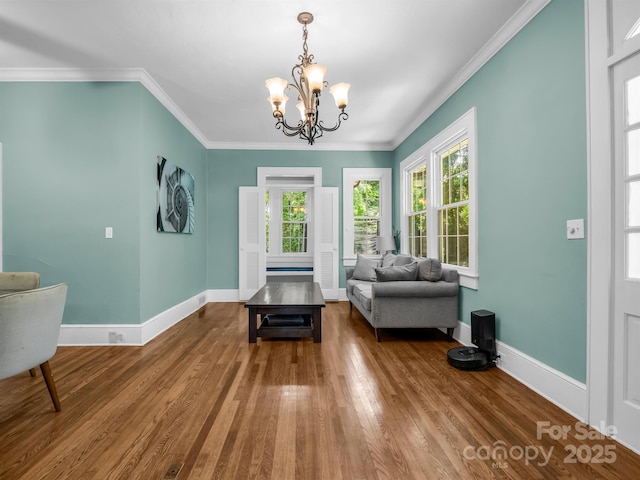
x=599, y=221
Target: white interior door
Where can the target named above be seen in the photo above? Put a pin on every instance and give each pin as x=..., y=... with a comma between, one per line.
x=252, y=269
x=325, y=240
x=626, y=314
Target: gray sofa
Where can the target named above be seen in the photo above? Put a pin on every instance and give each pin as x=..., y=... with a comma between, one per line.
x=404, y=292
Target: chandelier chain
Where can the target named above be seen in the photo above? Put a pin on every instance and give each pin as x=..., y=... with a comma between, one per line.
x=305, y=58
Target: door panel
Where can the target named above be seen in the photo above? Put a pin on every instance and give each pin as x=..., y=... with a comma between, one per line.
x=252, y=271
x=626, y=312
x=325, y=251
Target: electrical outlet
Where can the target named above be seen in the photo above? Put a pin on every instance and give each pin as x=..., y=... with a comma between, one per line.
x=115, y=337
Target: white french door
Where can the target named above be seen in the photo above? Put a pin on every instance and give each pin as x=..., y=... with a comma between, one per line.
x=324, y=236
x=613, y=369
x=252, y=268
x=626, y=308
x=325, y=241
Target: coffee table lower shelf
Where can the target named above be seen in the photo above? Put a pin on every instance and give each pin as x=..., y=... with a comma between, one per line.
x=285, y=326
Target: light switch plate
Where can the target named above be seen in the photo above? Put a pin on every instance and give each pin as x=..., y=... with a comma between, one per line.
x=108, y=232
x=575, y=229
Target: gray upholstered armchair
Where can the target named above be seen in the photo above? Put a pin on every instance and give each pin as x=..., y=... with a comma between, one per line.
x=29, y=329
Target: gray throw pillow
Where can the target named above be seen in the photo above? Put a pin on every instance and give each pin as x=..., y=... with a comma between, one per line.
x=403, y=260
x=365, y=268
x=429, y=269
x=388, y=259
x=397, y=273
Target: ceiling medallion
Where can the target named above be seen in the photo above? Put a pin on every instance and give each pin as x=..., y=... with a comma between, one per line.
x=308, y=82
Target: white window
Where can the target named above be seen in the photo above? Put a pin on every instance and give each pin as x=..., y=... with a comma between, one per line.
x=286, y=221
x=438, y=191
x=366, y=210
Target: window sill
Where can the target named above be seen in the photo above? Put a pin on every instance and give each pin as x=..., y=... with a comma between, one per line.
x=468, y=280
x=349, y=261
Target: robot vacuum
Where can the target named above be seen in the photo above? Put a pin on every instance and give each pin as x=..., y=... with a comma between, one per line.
x=468, y=358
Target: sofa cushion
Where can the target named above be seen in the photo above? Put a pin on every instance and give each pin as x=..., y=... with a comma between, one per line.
x=352, y=282
x=418, y=288
x=403, y=260
x=365, y=268
x=363, y=294
x=388, y=259
x=429, y=269
x=397, y=273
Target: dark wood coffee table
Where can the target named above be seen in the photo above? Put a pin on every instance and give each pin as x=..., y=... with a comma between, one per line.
x=282, y=301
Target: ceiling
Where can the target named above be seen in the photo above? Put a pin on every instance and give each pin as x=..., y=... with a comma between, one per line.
x=207, y=60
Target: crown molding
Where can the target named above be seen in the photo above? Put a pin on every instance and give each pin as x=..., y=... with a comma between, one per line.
x=370, y=147
x=104, y=75
x=518, y=20
x=73, y=75
x=142, y=76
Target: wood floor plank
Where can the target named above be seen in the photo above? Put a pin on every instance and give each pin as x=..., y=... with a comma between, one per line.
x=347, y=408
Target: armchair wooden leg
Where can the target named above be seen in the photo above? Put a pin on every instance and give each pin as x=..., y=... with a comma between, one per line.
x=450, y=334
x=51, y=386
x=32, y=372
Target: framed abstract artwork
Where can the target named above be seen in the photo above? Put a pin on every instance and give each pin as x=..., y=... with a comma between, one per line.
x=175, y=191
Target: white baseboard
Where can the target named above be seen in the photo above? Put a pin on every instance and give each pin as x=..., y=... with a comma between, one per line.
x=129, y=334
x=555, y=386
x=230, y=295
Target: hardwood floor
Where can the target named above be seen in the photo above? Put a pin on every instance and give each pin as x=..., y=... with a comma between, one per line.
x=348, y=408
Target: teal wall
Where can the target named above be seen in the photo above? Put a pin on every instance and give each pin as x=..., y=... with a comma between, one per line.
x=230, y=169
x=532, y=178
x=172, y=266
x=78, y=157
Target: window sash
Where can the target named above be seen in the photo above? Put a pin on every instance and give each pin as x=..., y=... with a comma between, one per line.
x=361, y=228
x=448, y=164
x=452, y=205
x=294, y=222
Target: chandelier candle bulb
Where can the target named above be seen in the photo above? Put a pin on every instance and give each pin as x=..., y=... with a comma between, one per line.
x=340, y=92
x=276, y=86
x=314, y=76
x=277, y=97
x=308, y=82
x=278, y=105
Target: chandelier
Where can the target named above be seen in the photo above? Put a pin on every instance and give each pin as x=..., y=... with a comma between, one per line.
x=308, y=82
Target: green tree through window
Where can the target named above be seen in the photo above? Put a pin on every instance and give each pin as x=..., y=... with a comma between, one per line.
x=453, y=214
x=418, y=212
x=294, y=222
x=366, y=215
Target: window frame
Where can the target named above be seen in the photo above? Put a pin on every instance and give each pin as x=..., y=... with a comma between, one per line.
x=428, y=154
x=349, y=175
x=273, y=247
x=304, y=225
